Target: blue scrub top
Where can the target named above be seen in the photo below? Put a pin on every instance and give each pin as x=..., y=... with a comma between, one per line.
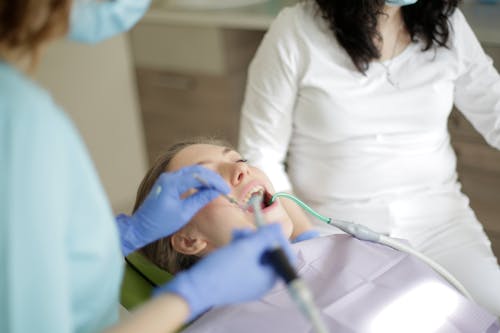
x=60, y=260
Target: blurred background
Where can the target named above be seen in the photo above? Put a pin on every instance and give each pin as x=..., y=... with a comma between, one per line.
x=181, y=72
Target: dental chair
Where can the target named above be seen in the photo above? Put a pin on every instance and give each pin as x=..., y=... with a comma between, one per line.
x=140, y=277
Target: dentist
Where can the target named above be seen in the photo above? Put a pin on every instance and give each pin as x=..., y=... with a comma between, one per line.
x=61, y=249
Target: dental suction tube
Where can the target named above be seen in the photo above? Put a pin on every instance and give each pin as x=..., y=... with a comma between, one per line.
x=363, y=233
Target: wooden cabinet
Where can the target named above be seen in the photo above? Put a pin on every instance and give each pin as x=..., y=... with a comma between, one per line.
x=191, y=81
x=479, y=168
x=181, y=106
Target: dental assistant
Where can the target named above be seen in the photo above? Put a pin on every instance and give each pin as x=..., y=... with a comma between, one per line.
x=61, y=261
x=347, y=105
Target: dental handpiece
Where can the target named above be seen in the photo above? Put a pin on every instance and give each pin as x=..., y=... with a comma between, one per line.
x=297, y=288
x=276, y=256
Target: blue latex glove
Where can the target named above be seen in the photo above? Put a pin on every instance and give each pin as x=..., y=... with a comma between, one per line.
x=306, y=235
x=233, y=274
x=93, y=21
x=163, y=212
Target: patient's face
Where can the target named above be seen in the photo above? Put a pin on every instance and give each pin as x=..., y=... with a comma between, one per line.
x=217, y=220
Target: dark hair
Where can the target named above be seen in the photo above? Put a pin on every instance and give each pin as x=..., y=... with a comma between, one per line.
x=161, y=252
x=26, y=25
x=354, y=23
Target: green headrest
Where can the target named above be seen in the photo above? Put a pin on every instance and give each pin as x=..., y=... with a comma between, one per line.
x=139, y=279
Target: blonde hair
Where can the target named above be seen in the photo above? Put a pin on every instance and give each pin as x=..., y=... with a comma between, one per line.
x=27, y=25
x=161, y=252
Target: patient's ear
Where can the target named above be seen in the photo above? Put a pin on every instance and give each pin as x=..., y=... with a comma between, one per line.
x=188, y=241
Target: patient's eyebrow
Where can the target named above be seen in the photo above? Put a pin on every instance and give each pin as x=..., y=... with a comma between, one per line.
x=224, y=152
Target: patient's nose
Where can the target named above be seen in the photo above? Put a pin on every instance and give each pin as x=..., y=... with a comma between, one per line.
x=240, y=171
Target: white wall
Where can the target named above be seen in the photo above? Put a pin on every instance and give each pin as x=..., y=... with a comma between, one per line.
x=95, y=85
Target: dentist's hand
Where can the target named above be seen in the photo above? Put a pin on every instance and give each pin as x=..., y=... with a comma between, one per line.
x=233, y=274
x=163, y=212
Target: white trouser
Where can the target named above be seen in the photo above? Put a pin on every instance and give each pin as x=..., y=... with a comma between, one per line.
x=439, y=224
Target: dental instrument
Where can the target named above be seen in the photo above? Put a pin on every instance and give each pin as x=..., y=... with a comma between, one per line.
x=297, y=288
x=364, y=233
x=227, y=196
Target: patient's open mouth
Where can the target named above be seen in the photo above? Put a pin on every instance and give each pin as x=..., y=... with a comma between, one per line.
x=261, y=191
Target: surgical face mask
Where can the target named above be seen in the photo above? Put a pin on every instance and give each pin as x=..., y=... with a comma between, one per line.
x=93, y=21
x=400, y=2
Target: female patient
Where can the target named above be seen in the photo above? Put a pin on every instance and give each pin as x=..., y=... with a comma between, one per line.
x=360, y=286
x=198, y=238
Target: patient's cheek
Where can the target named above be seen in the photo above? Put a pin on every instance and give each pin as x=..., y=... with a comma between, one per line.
x=209, y=216
x=217, y=223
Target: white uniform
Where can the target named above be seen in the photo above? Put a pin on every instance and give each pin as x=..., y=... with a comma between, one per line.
x=360, y=148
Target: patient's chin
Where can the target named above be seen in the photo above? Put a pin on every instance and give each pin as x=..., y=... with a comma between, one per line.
x=279, y=216
x=286, y=227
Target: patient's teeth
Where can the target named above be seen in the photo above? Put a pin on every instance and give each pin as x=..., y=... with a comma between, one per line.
x=257, y=189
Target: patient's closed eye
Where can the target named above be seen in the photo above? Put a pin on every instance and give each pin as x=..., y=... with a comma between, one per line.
x=242, y=160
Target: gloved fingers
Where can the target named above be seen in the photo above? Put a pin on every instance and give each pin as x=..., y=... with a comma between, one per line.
x=306, y=235
x=212, y=178
x=274, y=235
x=182, y=180
x=268, y=232
x=164, y=211
x=232, y=274
x=266, y=237
x=196, y=201
x=241, y=234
